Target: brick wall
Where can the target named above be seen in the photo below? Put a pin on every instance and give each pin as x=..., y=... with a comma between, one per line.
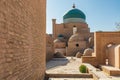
x=89, y=59
x=49, y=47
x=67, y=29
x=114, y=56
x=22, y=39
x=101, y=41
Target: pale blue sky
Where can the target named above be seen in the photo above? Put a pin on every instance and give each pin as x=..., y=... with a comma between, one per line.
x=100, y=14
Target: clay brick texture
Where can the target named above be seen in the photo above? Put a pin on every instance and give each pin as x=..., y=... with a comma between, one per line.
x=22, y=39
x=49, y=47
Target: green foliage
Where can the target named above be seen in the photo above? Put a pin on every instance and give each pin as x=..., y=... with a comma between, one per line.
x=83, y=69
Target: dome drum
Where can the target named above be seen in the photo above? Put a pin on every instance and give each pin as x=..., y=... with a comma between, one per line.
x=73, y=20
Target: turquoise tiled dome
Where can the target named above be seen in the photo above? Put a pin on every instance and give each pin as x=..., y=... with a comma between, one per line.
x=74, y=13
x=74, y=16
x=60, y=35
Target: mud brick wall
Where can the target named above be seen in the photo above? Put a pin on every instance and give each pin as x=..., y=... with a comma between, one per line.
x=22, y=39
x=49, y=47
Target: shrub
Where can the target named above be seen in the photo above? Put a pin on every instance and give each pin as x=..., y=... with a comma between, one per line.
x=83, y=69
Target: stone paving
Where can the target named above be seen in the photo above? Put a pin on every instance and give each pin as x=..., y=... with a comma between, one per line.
x=100, y=74
x=71, y=66
x=64, y=66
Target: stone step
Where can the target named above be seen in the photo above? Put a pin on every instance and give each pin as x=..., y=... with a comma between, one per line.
x=70, y=78
x=85, y=75
x=97, y=74
x=110, y=70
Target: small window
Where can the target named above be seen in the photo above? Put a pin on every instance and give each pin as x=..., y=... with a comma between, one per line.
x=77, y=45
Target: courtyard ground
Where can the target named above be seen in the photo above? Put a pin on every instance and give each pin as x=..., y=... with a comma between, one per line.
x=70, y=66
x=64, y=65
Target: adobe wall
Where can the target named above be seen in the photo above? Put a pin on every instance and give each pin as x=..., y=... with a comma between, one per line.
x=114, y=56
x=22, y=39
x=49, y=47
x=111, y=55
x=61, y=50
x=89, y=59
x=117, y=56
x=60, y=45
x=102, y=39
x=72, y=49
x=67, y=29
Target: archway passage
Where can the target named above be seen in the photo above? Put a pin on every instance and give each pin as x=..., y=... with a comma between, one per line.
x=107, y=50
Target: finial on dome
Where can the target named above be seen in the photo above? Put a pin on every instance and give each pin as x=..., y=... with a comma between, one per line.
x=73, y=5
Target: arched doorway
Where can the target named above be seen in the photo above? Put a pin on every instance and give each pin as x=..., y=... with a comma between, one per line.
x=107, y=47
